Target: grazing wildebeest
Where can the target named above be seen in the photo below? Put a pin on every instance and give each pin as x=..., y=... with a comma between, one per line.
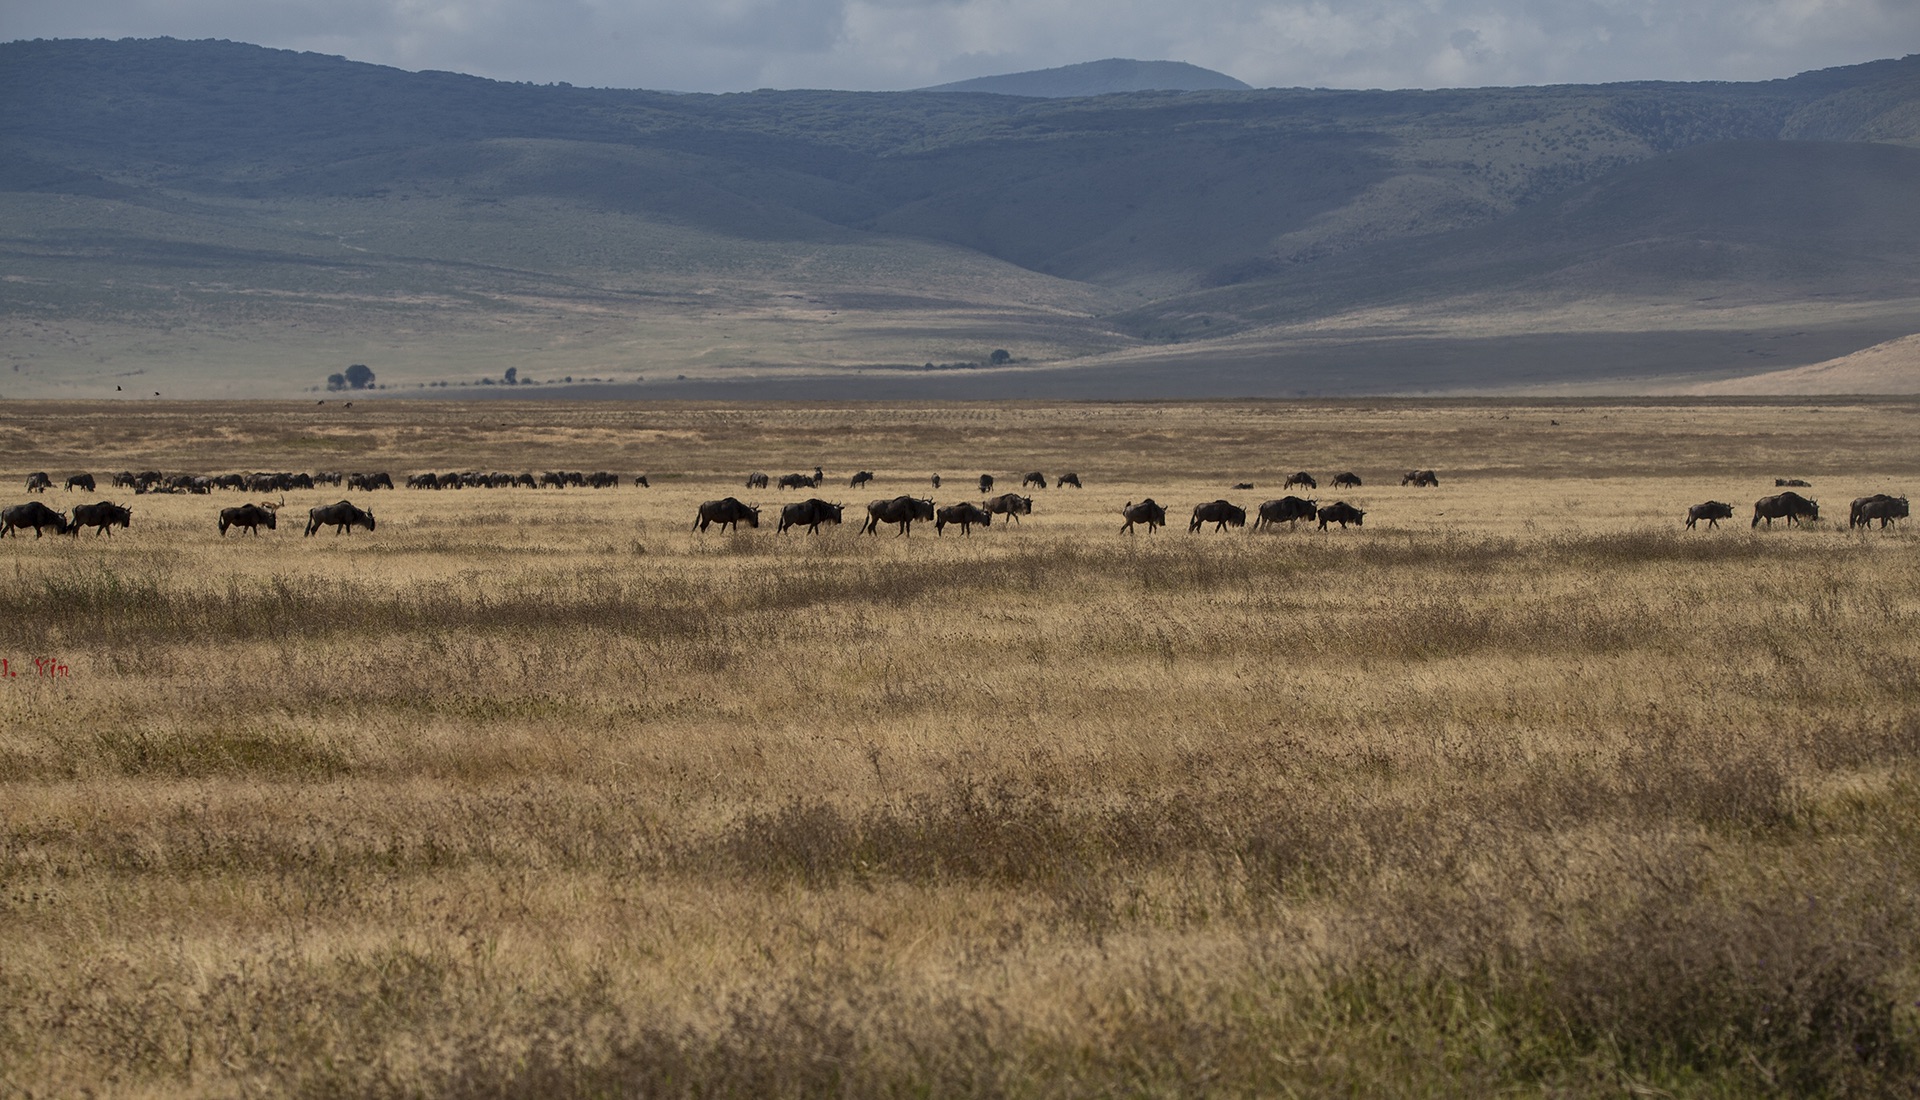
x=250, y=516
x=756, y=480
x=1146, y=512
x=370, y=482
x=1066, y=480
x=902, y=510
x=1713, y=511
x=965, y=514
x=1879, y=506
x=1791, y=483
x=341, y=516
x=1346, y=480
x=1420, y=477
x=35, y=515
x=102, y=516
x=1034, y=478
x=640, y=482
x=812, y=512
x=859, y=479
x=80, y=481
x=799, y=481
x=1342, y=513
x=1301, y=478
x=124, y=480
x=39, y=482
x=1011, y=505
x=727, y=512
x=423, y=481
x=986, y=484
x=1792, y=506
x=1220, y=513
x=1288, y=510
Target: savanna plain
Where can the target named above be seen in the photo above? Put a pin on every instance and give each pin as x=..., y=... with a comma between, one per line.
x=1519, y=788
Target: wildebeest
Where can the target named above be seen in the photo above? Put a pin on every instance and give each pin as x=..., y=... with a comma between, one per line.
x=902, y=510
x=1011, y=505
x=986, y=484
x=250, y=516
x=965, y=514
x=80, y=481
x=859, y=479
x=1220, y=513
x=1243, y=485
x=1342, y=513
x=799, y=481
x=1879, y=506
x=1301, y=478
x=1792, y=506
x=1066, y=480
x=640, y=482
x=35, y=515
x=936, y=481
x=756, y=480
x=341, y=516
x=1713, y=511
x=1034, y=478
x=39, y=482
x=1289, y=510
x=102, y=516
x=727, y=512
x=1791, y=483
x=1146, y=512
x=1346, y=480
x=370, y=482
x=812, y=512
x=1419, y=477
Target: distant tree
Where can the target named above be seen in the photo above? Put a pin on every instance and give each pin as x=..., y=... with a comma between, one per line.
x=999, y=356
x=336, y=381
x=513, y=376
x=359, y=377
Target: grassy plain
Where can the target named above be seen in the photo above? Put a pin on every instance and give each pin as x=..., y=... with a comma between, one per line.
x=1518, y=788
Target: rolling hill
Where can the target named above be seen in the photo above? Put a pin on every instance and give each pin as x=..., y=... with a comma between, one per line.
x=217, y=218
x=1100, y=78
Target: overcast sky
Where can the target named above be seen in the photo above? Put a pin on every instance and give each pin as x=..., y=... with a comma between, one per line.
x=734, y=45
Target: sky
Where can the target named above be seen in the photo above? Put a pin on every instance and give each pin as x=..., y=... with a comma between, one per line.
x=739, y=45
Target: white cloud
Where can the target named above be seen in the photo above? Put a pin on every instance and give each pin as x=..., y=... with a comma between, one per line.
x=721, y=45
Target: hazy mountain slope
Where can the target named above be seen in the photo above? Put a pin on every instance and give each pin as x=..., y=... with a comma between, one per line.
x=159, y=199
x=1100, y=78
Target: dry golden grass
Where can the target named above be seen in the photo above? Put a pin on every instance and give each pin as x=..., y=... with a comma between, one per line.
x=1520, y=787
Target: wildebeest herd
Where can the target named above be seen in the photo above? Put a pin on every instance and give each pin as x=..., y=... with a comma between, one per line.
x=729, y=512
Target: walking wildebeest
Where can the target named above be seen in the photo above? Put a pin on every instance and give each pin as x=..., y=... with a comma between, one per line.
x=1879, y=506
x=1342, y=513
x=1713, y=511
x=342, y=516
x=902, y=510
x=986, y=484
x=859, y=479
x=80, y=481
x=35, y=515
x=1146, y=512
x=1791, y=506
x=1220, y=513
x=102, y=516
x=39, y=482
x=1419, y=477
x=1347, y=480
x=1791, y=483
x=250, y=516
x=727, y=512
x=1011, y=505
x=812, y=512
x=1034, y=478
x=1066, y=480
x=965, y=514
x=756, y=480
x=1288, y=510
x=1301, y=478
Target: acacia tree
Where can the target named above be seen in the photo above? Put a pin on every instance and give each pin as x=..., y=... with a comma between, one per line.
x=336, y=381
x=359, y=376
